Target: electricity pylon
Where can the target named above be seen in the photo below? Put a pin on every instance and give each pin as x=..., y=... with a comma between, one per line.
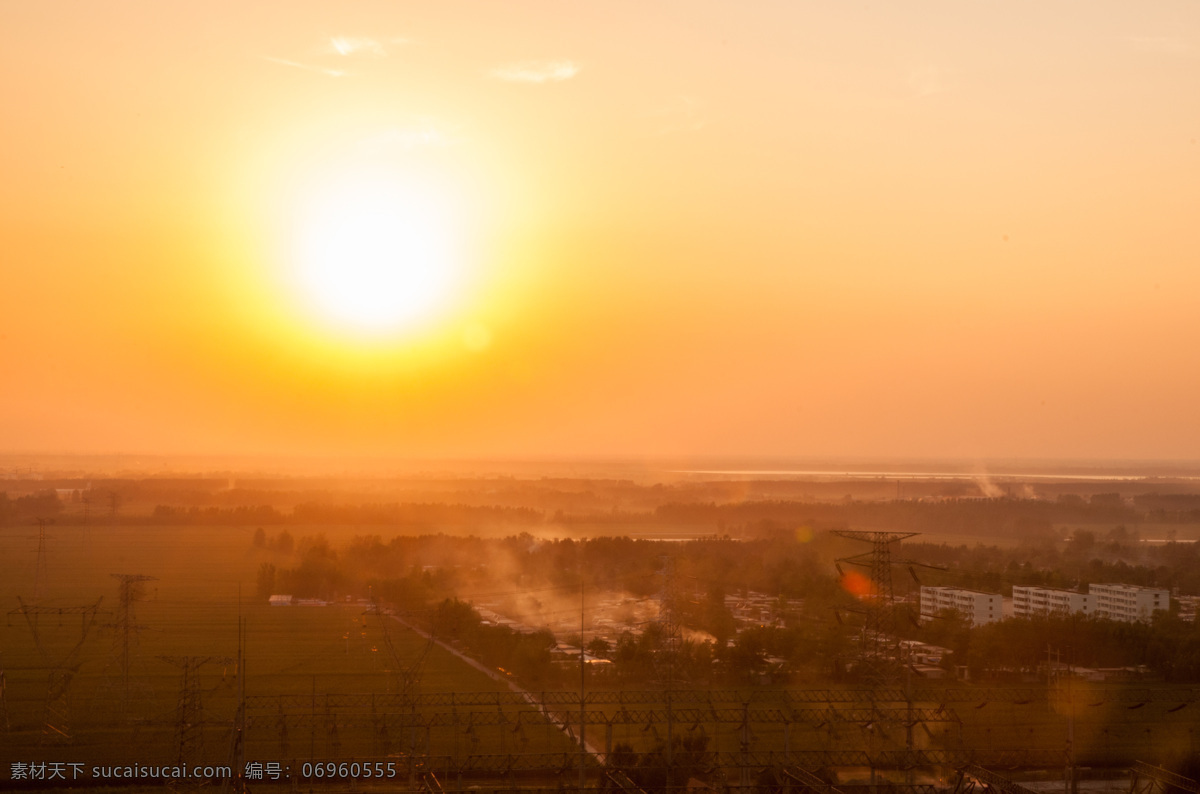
x=879, y=657
x=189, y=723
x=130, y=590
x=56, y=723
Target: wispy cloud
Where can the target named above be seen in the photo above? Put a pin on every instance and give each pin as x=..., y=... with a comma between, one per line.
x=348, y=45
x=681, y=114
x=536, y=71
x=306, y=67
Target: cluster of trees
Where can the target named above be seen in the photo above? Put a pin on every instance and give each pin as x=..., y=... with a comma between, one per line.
x=642, y=657
x=414, y=573
x=1167, y=645
x=525, y=655
x=318, y=574
x=44, y=504
x=779, y=565
x=428, y=514
x=317, y=514
x=1087, y=557
x=220, y=516
x=1028, y=518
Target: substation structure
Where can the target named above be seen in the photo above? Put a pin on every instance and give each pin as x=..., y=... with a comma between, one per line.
x=894, y=739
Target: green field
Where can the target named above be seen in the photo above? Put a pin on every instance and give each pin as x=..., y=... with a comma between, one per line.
x=318, y=684
x=192, y=610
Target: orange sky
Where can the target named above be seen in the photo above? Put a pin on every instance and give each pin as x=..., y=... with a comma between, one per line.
x=682, y=228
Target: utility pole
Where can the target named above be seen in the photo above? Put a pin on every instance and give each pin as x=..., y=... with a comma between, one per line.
x=39, y=571
x=582, y=693
x=237, y=750
x=4, y=725
x=1053, y=685
x=1072, y=772
x=667, y=656
x=909, y=722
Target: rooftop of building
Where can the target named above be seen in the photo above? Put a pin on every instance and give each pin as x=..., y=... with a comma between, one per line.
x=957, y=589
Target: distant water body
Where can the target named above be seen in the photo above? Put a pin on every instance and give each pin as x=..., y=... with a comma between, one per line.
x=926, y=475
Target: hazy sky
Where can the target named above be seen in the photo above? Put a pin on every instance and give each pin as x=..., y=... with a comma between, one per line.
x=783, y=228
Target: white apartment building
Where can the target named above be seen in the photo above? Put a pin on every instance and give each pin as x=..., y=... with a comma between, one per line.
x=1123, y=602
x=1128, y=602
x=1029, y=600
x=980, y=607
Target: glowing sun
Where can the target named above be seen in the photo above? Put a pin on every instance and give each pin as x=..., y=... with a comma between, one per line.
x=375, y=254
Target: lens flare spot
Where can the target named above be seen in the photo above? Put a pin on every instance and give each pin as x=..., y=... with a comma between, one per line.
x=858, y=585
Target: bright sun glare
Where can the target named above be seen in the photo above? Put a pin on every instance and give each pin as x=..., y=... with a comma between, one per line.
x=374, y=253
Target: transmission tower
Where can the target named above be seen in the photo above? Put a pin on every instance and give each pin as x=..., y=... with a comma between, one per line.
x=114, y=504
x=189, y=724
x=56, y=723
x=39, y=571
x=668, y=621
x=879, y=658
x=665, y=661
x=130, y=590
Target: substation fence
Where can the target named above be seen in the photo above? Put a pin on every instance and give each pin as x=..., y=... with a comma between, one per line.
x=1148, y=779
x=411, y=719
x=783, y=710
x=323, y=714
x=771, y=734
x=793, y=698
x=971, y=774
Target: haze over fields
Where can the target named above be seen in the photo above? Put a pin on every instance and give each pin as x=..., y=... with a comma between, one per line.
x=456, y=229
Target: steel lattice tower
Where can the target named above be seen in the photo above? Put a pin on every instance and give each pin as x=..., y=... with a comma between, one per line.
x=878, y=658
x=129, y=592
x=189, y=723
x=56, y=724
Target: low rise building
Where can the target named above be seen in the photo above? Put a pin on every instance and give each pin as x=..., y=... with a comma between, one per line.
x=1124, y=602
x=1127, y=602
x=979, y=607
x=1029, y=601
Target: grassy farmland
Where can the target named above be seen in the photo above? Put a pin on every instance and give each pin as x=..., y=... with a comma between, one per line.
x=191, y=609
x=321, y=684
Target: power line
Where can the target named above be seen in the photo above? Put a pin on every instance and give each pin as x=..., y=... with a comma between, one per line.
x=61, y=669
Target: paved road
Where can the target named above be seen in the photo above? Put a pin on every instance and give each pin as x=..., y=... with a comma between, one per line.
x=592, y=747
